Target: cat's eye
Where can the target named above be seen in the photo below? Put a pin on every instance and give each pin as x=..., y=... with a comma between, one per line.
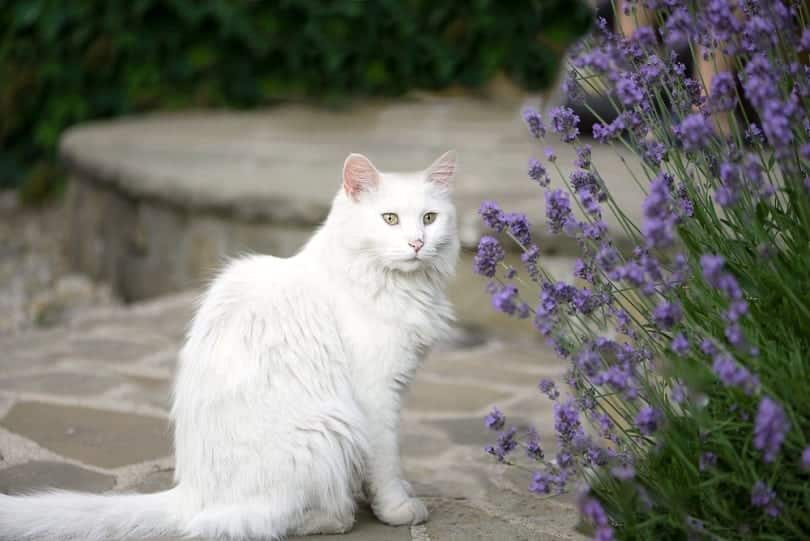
x=390, y=218
x=429, y=218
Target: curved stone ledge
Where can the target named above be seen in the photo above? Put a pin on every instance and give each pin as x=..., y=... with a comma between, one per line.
x=157, y=202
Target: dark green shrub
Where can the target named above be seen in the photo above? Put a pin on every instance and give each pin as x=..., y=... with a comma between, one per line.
x=65, y=62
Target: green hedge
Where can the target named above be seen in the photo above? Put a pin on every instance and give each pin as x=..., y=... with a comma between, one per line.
x=65, y=61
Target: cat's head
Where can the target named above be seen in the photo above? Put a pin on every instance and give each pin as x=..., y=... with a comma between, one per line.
x=401, y=221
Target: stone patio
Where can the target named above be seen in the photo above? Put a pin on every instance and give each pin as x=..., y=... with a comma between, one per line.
x=84, y=407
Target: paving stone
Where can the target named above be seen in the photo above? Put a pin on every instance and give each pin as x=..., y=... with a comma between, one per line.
x=113, y=350
x=471, y=430
x=555, y=515
x=439, y=397
x=39, y=475
x=155, y=481
x=102, y=438
x=154, y=391
x=487, y=367
x=456, y=520
x=419, y=444
x=62, y=383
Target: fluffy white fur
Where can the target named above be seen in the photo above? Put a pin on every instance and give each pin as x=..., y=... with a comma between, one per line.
x=287, y=399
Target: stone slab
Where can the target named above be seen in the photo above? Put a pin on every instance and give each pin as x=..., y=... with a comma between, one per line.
x=156, y=202
x=243, y=163
x=61, y=383
x=440, y=397
x=102, y=438
x=456, y=520
x=41, y=475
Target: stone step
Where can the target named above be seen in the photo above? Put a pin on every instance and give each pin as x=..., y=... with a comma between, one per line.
x=157, y=201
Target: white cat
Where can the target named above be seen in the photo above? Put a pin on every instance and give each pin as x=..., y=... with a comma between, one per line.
x=287, y=398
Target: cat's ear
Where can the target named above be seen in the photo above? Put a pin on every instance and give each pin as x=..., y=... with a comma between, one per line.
x=443, y=170
x=359, y=175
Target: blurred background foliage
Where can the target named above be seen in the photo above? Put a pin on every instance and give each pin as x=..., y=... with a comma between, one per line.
x=63, y=62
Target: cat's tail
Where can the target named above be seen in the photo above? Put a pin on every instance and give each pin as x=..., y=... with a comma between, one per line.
x=88, y=517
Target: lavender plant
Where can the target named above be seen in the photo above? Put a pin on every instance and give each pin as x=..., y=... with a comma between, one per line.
x=688, y=412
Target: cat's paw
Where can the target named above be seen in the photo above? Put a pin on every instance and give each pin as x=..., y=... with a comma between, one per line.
x=407, y=511
x=407, y=487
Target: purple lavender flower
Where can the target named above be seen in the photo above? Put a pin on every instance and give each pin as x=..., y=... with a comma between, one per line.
x=533, y=449
x=659, y=220
x=506, y=300
x=653, y=152
x=708, y=347
x=538, y=173
x=519, y=227
x=529, y=258
x=572, y=88
x=648, y=420
x=495, y=420
x=548, y=388
x=652, y=70
x=763, y=496
x=628, y=91
x=595, y=230
x=566, y=421
x=678, y=393
x=624, y=472
x=565, y=122
x=723, y=95
x=678, y=27
x=534, y=122
x=583, y=270
x=708, y=460
x=607, y=257
x=583, y=160
x=680, y=345
x=550, y=155
x=694, y=132
x=804, y=41
x=758, y=34
x=770, y=428
x=492, y=215
x=558, y=210
x=733, y=374
x=712, y=267
x=489, y=254
x=667, y=314
x=722, y=20
x=504, y=445
x=760, y=84
x=585, y=301
x=596, y=60
x=805, y=460
x=593, y=512
x=541, y=483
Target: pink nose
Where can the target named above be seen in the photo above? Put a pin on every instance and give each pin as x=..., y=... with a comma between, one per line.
x=416, y=245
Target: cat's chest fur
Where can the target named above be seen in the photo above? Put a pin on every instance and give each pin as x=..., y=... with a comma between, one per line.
x=389, y=329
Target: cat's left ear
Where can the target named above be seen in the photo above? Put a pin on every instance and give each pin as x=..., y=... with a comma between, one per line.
x=443, y=170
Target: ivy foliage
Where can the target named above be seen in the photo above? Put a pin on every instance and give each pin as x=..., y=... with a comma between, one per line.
x=66, y=62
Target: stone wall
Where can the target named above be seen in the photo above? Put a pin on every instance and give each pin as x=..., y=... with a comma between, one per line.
x=146, y=247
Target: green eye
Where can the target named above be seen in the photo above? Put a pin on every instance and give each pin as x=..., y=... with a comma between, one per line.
x=390, y=218
x=429, y=218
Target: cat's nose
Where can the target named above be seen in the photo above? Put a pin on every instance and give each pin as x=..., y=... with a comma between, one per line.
x=416, y=245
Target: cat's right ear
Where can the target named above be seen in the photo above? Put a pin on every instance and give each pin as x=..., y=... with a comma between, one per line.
x=359, y=175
